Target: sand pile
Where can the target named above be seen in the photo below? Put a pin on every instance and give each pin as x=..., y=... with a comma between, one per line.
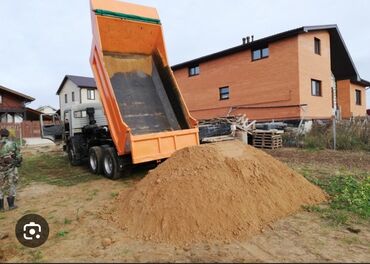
x=219, y=192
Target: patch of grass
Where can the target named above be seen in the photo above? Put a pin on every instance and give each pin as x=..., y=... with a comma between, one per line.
x=349, y=194
x=53, y=169
x=92, y=194
x=349, y=197
x=67, y=221
x=62, y=233
x=36, y=256
x=114, y=194
x=351, y=240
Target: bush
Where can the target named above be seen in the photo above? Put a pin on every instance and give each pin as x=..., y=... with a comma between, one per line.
x=351, y=135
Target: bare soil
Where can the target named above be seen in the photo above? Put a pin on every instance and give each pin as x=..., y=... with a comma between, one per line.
x=348, y=160
x=80, y=233
x=214, y=192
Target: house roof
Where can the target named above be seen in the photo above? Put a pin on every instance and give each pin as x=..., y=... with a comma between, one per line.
x=362, y=82
x=343, y=66
x=21, y=95
x=80, y=81
x=45, y=106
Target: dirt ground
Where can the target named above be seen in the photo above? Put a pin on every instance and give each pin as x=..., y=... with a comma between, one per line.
x=79, y=233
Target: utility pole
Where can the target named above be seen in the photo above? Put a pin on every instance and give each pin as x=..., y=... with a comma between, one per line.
x=335, y=109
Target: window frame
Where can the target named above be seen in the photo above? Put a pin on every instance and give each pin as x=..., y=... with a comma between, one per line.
x=73, y=97
x=194, y=70
x=261, y=53
x=358, y=97
x=80, y=114
x=221, y=93
x=317, y=46
x=66, y=98
x=89, y=97
x=320, y=88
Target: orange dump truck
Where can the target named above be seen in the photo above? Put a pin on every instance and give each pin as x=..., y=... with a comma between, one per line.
x=142, y=116
x=146, y=114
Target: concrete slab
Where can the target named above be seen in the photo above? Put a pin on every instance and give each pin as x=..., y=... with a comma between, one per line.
x=38, y=142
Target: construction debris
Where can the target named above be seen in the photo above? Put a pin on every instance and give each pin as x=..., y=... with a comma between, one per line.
x=215, y=192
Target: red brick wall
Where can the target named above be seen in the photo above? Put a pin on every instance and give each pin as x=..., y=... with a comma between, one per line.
x=10, y=101
x=282, y=79
x=267, y=82
x=317, y=67
x=347, y=99
x=343, y=88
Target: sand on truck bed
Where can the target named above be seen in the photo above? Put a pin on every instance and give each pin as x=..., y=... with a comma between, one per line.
x=216, y=192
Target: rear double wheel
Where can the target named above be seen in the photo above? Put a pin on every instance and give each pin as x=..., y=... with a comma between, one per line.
x=96, y=159
x=115, y=167
x=104, y=160
x=111, y=166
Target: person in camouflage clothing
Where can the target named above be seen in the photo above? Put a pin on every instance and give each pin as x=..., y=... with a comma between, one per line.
x=10, y=160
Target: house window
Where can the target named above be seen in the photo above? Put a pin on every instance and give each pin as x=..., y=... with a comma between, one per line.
x=66, y=98
x=80, y=114
x=358, y=97
x=73, y=96
x=90, y=94
x=317, y=46
x=316, y=88
x=258, y=54
x=224, y=93
x=193, y=71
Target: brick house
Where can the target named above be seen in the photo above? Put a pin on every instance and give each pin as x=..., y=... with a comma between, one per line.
x=298, y=74
x=13, y=106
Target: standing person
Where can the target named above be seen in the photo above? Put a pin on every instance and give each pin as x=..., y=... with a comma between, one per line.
x=10, y=159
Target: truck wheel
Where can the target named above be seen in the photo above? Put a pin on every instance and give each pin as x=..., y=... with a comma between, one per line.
x=96, y=160
x=72, y=156
x=111, y=166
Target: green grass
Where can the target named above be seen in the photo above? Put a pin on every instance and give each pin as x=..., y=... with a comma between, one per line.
x=349, y=195
x=67, y=221
x=62, y=233
x=36, y=256
x=53, y=169
x=114, y=194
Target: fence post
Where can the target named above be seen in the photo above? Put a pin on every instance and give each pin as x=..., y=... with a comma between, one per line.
x=20, y=134
x=334, y=133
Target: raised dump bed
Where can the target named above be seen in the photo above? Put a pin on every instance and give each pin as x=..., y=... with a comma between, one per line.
x=142, y=99
x=146, y=113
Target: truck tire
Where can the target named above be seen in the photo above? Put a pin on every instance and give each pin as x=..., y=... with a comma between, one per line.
x=111, y=166
x=96, y=160
x=72, y=156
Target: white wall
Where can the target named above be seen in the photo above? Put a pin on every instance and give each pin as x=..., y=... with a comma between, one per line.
x=70, y=87
x=46, y=110
x=84, y=99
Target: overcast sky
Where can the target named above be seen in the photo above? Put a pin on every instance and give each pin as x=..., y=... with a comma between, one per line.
x=42, y=41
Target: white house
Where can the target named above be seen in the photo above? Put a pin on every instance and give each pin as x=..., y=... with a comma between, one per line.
x=75, y=90
x=47, y=109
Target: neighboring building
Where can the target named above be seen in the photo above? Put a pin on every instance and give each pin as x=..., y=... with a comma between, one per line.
x=47, y=109
x=13, y=106
x=75, y=90
x=297, y=74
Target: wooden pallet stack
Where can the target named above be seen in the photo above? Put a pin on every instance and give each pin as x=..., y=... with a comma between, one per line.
x=271, y=139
